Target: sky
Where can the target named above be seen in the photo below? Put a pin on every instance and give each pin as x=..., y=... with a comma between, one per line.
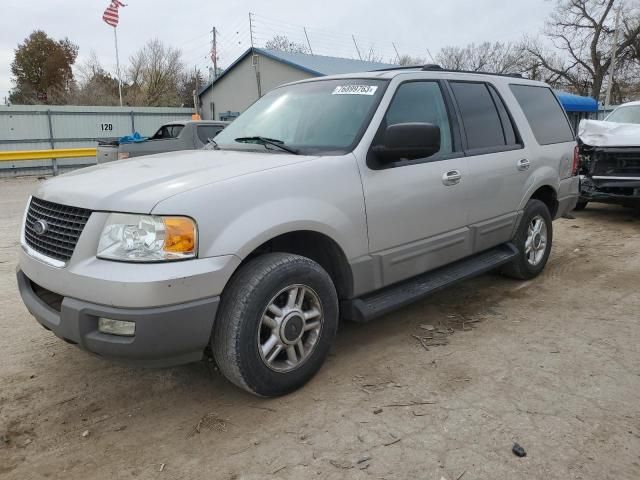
x=416, y=27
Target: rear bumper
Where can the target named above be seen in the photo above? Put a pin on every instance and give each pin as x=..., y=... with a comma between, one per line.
x=568, y=194
x=106, y=153
x=164, y=336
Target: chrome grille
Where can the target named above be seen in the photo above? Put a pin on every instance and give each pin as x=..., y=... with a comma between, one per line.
x=65, y=224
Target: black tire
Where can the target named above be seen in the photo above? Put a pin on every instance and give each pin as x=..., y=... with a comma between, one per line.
x=237, y=327
x=520, y=268
x=581, y=205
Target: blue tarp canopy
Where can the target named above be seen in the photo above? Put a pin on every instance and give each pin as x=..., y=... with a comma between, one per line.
x=135, y=138
x=576, y=103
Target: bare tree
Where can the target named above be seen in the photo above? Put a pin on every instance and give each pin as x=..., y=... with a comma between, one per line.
x=190, y=81
x=626, y=82
x=281, y=43
x=408, y=60
x=154, y=75
x=495, y=57
x=371, y=55
x=95, y=85
x=582, y=33
x=89, y=68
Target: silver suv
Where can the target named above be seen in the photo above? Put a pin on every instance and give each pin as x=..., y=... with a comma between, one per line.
x=340, y=197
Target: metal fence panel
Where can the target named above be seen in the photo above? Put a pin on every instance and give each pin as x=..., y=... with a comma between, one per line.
x=91, y=125
x=22, y=125
x=40, y=127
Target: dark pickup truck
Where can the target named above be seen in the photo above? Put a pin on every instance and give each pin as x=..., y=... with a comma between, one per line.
x=610, y=158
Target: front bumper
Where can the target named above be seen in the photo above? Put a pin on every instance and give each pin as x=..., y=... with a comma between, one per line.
x=610, y=190
x=164, y=336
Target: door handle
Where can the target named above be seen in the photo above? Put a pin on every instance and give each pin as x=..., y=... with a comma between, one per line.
x=524, y=164
x=452, y=177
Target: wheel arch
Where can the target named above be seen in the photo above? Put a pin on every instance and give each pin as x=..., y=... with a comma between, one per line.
x=313, y=244
x=547, y=195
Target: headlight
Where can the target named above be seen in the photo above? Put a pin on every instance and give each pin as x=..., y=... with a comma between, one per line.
x=148, y=238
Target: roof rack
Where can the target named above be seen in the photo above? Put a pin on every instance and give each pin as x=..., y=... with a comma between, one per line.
x=433, y=67
x=399, y=67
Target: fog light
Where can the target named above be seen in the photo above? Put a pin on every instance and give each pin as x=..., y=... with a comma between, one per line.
x=117, y=327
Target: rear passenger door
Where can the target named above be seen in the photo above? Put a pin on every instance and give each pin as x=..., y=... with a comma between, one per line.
x=497, y=162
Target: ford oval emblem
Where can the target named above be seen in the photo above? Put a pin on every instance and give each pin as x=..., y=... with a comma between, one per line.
x=40, y=227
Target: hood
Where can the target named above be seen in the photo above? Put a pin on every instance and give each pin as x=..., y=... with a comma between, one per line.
x=597, y=133
x=138, y=184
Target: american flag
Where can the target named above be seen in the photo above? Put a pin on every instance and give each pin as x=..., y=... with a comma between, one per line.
x=110, y=15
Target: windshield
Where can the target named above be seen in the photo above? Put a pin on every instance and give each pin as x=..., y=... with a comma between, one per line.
x=629, y=114
x=326, y=116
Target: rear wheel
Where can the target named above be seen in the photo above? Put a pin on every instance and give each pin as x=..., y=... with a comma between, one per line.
x=533, y=241
x=276, y=323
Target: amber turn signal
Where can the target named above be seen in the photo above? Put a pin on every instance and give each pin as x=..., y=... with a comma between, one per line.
x=180, y=235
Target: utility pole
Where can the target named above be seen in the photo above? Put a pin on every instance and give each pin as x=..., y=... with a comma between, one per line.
x=196, y=100
x=214, y=52
x=308, y=42
x=614, y=50
x=357, y=49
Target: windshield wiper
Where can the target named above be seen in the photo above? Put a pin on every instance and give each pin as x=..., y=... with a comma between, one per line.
x=267, y=141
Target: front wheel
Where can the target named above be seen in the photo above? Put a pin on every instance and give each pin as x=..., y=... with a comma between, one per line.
x=533, y=241
x=277, y=320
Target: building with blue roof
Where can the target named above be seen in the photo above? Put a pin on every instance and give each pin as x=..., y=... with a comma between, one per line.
x=259, y=70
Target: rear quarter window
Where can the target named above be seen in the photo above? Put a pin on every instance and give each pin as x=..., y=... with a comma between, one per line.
x=544, y=113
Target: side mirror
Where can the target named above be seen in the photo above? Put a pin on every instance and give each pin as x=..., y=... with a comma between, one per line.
x=408, y=141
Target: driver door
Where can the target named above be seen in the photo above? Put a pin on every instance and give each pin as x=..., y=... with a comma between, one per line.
x=417, y=210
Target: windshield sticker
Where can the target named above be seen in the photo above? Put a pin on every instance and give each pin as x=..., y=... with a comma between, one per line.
x=355, y=90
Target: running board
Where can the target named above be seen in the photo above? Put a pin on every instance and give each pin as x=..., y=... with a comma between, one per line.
x=373, y=305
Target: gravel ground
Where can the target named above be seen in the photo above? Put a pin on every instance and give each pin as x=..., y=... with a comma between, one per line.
x=552, y=364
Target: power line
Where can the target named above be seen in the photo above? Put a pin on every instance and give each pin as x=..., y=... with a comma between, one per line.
x=198, y=37
x=233, y=40
x=326, y=42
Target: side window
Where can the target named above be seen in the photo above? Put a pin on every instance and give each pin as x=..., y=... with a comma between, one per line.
x=168, y=131
x=421, y=102
x=205, y=132
x=480, y=116
x=544, y=113
x=160, y=134
x=175, y=130
x=510, y=134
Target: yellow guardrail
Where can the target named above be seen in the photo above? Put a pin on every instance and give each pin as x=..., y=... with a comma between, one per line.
x=20, y=155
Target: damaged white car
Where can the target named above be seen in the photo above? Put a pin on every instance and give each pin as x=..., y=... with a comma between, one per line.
x=610, y=158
